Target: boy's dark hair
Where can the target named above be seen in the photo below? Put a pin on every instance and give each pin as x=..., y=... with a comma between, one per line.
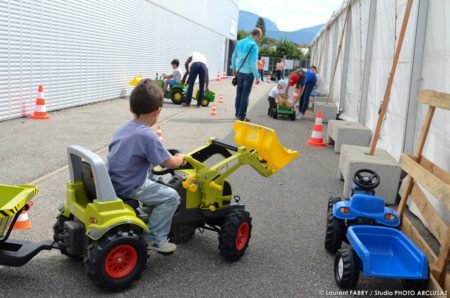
x=145, y=98
x=315, y=68
x=259, y=57
x=280, y=60
x=175, y=62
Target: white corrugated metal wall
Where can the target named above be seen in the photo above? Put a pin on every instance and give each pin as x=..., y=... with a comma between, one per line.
x=85, y=51
x=434, y=72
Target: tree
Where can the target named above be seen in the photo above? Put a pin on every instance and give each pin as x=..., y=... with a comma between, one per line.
x=261, y=24
x=288, y=49
x=241, y=34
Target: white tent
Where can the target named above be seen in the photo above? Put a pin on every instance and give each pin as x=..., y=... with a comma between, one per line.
x=365, y=61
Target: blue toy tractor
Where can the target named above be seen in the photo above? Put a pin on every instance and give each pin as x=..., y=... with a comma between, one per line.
x=378, y=247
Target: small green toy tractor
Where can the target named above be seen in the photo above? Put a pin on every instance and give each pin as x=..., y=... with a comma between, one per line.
x=283, y=111
x=106, y=229
x=177, y=92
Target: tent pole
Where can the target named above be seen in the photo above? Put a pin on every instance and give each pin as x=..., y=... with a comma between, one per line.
x=387, y=93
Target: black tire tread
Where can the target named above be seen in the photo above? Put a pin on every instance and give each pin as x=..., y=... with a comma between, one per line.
x=172, y=92
x=97, y=250
x=334, y=234
x=227, y=235
x=351, y=270
x=180, y=233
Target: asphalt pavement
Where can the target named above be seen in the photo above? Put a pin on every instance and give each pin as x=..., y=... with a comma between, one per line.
x=285, y=257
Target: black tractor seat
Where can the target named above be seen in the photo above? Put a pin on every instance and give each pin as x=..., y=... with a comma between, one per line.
x=129, y=201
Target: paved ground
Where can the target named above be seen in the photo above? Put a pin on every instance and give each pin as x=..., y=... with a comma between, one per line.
x=285, y=258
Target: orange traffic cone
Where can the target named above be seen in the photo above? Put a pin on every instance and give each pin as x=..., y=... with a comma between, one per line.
x=218, y=76
x=159, y=132
x=23, y=222
x=214, y=111
x=316, y=136
x=221, y=99
x=40, y=111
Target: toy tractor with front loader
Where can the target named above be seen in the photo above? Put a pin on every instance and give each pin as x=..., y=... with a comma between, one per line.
x=106, y=229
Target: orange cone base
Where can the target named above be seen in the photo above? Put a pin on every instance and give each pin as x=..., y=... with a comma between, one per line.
x=22, y=225
x=316, y=142
x=39, y=117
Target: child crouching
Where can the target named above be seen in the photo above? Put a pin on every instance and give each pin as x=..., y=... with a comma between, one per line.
x=275, y=95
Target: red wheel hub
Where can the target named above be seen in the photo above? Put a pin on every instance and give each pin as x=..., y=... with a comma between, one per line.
x=121, y=261
x=242, y=235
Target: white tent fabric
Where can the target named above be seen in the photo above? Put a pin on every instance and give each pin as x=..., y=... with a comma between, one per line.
x=435, y=73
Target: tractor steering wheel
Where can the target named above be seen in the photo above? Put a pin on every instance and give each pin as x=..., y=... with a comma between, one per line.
x=158, y=170
x=366, y=179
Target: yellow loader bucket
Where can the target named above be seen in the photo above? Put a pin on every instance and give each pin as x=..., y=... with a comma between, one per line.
x=264, y=141
x=135, y=80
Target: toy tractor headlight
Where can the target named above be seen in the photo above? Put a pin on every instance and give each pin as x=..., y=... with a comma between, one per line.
x=344, y=210
x=389, y=216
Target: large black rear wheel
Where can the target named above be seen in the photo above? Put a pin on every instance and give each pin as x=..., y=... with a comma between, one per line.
x=177, y=96
x=235, y=234
x=117, y=259
x=334, y=234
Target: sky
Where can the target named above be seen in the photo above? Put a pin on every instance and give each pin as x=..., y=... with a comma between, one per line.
x=291, y=15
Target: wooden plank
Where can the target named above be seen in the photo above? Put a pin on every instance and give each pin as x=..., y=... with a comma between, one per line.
x=444, y=255
x=446, y=284
x=424, y=132
x=435, y=186
x=405, y=195
x=435, y=223
x=433, y=98
x=409, y=229
x=434, y=287
x=387, y=93
x=435, y=170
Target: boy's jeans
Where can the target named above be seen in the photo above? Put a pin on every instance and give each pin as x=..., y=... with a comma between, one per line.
x=164, y=201
x=304, y=100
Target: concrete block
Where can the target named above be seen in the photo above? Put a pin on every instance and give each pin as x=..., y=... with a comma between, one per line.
x=329, y=110
x=347, y=132
x=320, y=99
x=354, y=158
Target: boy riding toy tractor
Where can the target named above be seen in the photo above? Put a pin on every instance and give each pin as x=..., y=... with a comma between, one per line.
x=106, y=231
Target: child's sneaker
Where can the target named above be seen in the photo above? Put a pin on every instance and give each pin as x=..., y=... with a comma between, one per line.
x=162, y=246
x=300, y=116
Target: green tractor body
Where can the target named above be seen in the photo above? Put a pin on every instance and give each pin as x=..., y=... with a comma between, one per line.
x=283, y=111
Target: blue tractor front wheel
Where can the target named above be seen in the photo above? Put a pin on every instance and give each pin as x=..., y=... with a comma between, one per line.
x=346, y=268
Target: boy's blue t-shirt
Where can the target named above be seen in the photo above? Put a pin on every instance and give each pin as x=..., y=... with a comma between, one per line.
x=133, y=151
x=309, y=77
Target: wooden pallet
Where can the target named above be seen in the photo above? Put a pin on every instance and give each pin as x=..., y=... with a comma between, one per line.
x=436, y=181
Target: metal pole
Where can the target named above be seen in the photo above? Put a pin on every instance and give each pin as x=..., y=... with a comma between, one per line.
x=367, y=61
x=416, y=76
x=345, y=62
x=336, y=61
x=387, y=93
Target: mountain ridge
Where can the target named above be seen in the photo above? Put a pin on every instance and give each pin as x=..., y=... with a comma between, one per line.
x=247, y=21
